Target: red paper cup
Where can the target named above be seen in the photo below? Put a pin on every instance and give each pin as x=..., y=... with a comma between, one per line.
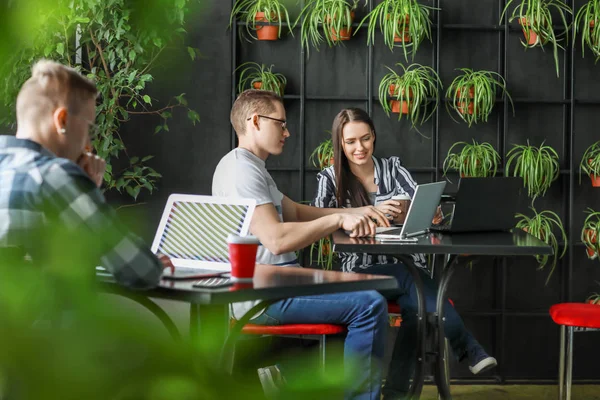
x=242, y=256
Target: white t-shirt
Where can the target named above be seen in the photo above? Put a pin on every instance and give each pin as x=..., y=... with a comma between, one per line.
x=242, y=174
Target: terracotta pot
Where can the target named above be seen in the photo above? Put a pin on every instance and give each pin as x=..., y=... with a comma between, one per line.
x=265, y=32
x=530, y=36
x=258, y=85
x=591, y=253
x=395, y=105
x=344, y=33
x=595, y=180
x=471, y=105
x=590, y=235
x=405, y=37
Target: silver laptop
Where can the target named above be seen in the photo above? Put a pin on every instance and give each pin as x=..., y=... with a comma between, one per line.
x=420, y=213
x=193, y=231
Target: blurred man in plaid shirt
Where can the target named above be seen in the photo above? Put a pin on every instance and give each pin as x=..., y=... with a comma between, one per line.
x=49, y=183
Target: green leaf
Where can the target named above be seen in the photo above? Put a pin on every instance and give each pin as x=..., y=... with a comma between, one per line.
x=147, y=99
x=134, y=160
x=193, y=116
x=157, y=42
x=132, y=55
x=147, y=158
x=192, y=53
x=48, y=50
x=180, y=3
x=60, y=49
x=158, y=129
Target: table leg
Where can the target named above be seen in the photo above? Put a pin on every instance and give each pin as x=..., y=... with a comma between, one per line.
x=418, y=376
x=439, y=366
x=208, y=327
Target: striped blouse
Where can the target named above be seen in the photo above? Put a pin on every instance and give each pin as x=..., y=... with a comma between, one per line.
x=391, y=179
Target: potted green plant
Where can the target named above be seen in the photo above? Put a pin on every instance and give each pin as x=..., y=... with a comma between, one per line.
x=535, y=18
x=263, y=17
x=325, y=254
x=474, y=160
x=594, y=298
x=586, y=20
x=541, y=226
x=472, y=94
x=403, y=23
x=258, y=76
x=537, y=166
x=329, y=20
x=411, y=92
x=590, y=233
x=590, y=164
x=322, y=155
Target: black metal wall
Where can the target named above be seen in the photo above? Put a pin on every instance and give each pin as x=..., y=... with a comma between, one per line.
x=504, y=302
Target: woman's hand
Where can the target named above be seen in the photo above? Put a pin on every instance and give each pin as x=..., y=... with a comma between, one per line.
x=391, y=209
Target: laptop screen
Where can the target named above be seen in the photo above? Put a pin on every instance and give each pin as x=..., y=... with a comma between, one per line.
x=194, y=229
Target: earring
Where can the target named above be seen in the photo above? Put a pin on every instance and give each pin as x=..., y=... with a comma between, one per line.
x=62, y=131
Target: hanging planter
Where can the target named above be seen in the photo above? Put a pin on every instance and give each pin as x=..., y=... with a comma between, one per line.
x=326, y=20
x=342, y=33
x=325, y=254
x=590, y=233
x=586, y=20
x=322, y=155
x=403, y=23
x=541, y=226
x=411, y=92
x=473, y=161
x=537, y=166
x=472, y=95
x=263, y=18
x=535, y=18
x=590, y=164
x=258, y=76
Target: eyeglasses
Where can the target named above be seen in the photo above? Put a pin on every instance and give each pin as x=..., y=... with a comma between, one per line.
x=92, y=127
x=282, y=121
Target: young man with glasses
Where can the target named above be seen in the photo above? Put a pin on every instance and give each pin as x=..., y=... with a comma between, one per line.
x=50, y=183
x=284, y=226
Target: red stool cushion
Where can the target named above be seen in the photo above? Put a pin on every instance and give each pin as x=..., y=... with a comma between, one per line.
x=293, y=329
x=576, y=314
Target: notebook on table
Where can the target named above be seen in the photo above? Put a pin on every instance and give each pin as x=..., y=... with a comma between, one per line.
x=193, y=232
x=420, y=213
x=483, y=205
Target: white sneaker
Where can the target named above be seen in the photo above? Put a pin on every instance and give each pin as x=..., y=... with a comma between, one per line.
x=271, y=381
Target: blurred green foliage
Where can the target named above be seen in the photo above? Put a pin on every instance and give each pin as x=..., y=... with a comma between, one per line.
x=116, y=43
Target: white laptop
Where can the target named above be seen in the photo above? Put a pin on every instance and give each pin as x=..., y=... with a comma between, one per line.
x=193, y=231
x=420, y=213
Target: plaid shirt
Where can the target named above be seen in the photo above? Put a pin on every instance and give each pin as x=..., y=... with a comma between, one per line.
x=43, y=196
x=391, y=179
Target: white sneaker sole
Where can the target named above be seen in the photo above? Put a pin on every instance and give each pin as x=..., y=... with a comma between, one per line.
x=483, y=365
x=267, y=380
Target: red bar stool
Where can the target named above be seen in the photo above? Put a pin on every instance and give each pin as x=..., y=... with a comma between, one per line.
x=572, y=317
x=317, y=332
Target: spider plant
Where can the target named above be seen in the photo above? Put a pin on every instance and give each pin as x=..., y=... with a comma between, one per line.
x=258, y=76
x=403, y=23
x=541, y=226
x=586, y=20
x=263, y=17
x=325, y=254
x=538, y=166
x=590, y=164
x=322, y=156
x=594, y=298
x=535, y=17
x=474, y=160
x=472, y=94
x=590, y=233
x=414, y=88
x=329, y=20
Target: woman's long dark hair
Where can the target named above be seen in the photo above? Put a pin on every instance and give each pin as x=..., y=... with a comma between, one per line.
x=349, y=187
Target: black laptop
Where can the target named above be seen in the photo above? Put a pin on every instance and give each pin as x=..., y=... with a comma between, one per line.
x=483, y=204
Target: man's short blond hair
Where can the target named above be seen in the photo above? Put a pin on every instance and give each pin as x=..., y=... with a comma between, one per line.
x=52, y=85
x=249, y=102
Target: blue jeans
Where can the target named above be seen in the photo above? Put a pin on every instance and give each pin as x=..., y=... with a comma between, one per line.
x=404, y=353
x=365, y=315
